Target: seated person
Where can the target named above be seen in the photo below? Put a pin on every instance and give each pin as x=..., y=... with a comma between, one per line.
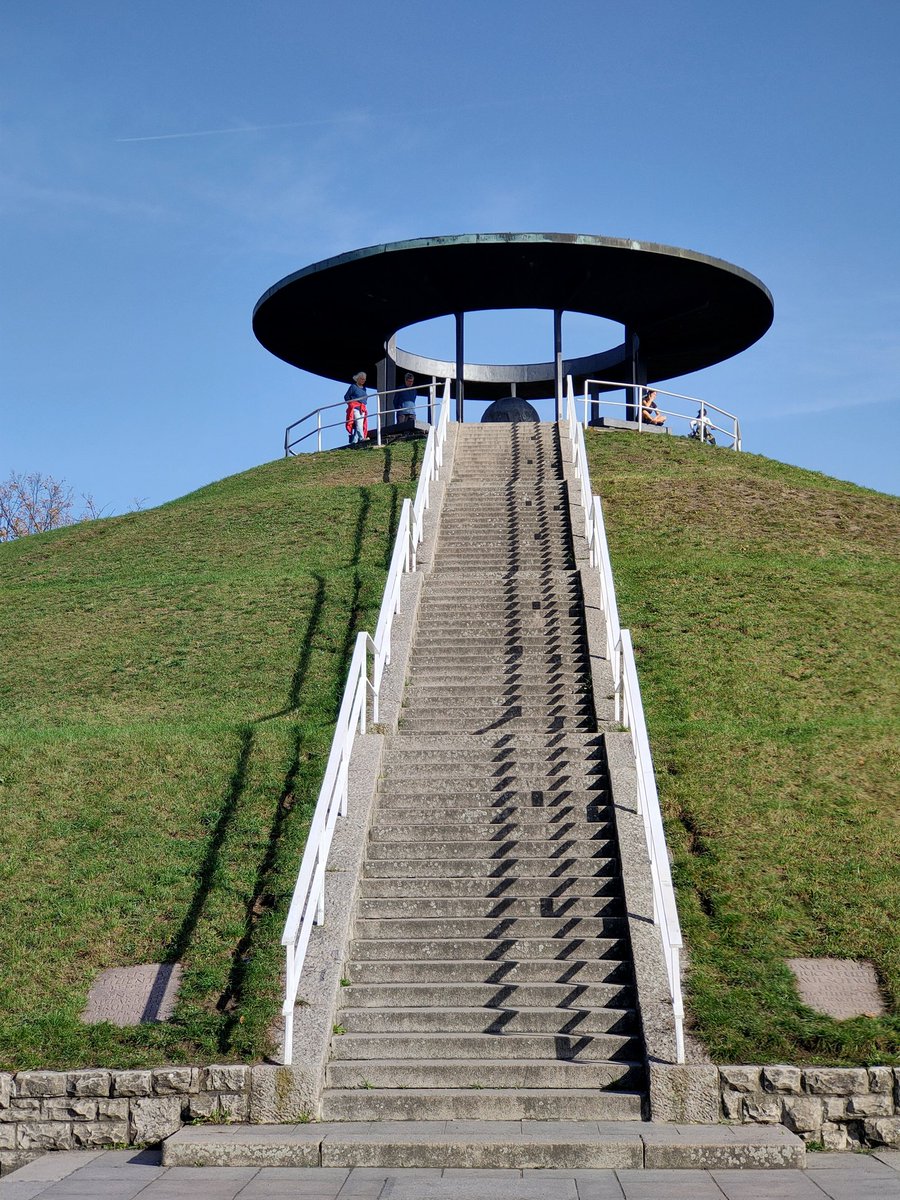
x=650, y=414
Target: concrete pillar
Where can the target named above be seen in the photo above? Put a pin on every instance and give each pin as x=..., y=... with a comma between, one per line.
x=460, y=365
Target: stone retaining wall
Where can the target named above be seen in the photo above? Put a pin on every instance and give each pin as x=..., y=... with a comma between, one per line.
x=65, y=1110
x=837, y=1107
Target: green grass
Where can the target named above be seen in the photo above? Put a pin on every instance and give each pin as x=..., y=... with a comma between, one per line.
x=168, y=687
x=763, y=602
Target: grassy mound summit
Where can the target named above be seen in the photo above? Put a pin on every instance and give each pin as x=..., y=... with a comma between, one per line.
x=169, y=682
x=763, y=603
x=168, y=686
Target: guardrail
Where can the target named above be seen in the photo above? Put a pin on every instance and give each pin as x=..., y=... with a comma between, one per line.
x=307, y=907
x=629, y=710
x=702, y=426
x=378, y=416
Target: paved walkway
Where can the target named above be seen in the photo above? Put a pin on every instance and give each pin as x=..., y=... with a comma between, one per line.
x=127, y=1174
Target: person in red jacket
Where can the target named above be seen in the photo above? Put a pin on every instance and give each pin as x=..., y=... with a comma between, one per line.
x=357, y=413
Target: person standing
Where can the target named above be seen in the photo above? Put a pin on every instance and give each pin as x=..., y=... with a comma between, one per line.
x=405, y=402
x=357, y=422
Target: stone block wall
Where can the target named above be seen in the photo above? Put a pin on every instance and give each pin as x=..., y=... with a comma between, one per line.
x=66, y=1110
x=837, y=1107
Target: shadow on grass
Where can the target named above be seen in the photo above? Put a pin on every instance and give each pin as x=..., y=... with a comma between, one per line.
x=265, y=895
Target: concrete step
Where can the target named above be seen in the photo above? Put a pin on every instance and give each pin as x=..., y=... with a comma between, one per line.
x=514, y=722
x=513, y=848
x=483, y=1104
x=515, y=867
x=539, y=824
x=575, y=1129
x=581, y=1022
x=558, y=997
x=573, y=972
x=453, y=907
x=478, y=1072
x=523, y=889
x=493, y=950
x=493, y=929
x=403, y=746
x=394, y=816
x=434, y=1051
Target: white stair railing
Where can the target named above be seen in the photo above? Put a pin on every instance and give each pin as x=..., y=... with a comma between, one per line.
x=629, y=710
x=307, y=907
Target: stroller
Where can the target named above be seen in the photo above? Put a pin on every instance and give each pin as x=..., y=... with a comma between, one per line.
x=702, y=429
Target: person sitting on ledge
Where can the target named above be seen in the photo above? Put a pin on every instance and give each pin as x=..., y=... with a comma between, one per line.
x=650, y=414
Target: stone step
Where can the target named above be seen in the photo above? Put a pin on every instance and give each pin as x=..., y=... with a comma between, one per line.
x=452, y=907
x=558, y=997
x=552, y=853
x=478, y=1072
x=482, y=1104
x=523, y=889
x=447, y=723
x=492, y=950
x=574, y=1129
x=495, y=1021
x=403, y=746
x=572, y=972
x=515, y=867
x=393, y=815
x=429, y=1051
x=491, y=929
x=500, y=831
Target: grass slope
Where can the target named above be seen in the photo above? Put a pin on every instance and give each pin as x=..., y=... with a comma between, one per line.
x=168, y=686
x=763, y=602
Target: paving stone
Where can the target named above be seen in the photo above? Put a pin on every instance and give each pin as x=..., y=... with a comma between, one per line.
x=668, y=1185
x=766, y=1185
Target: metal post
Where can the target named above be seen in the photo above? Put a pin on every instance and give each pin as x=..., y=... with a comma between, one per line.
x=460, y=365
x=432, y=390
x=557, y=361
x=319, y=430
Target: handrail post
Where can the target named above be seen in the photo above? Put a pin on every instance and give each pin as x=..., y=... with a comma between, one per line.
x=319, y=431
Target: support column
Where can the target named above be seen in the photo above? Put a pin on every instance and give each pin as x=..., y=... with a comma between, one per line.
x=557, y=362
x=638, y=374
x=460, y=365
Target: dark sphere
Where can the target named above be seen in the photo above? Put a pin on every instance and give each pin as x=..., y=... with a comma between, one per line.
x=510, y=408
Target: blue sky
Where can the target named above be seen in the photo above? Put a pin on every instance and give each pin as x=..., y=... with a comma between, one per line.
x=163, y=164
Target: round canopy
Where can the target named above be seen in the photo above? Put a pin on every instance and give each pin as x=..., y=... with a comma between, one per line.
x=683, y=310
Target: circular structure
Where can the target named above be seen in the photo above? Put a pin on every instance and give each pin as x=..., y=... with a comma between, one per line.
x=681, y=310
x=509, y=409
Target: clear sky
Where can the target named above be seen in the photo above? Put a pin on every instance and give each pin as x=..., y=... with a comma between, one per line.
x=163, y=164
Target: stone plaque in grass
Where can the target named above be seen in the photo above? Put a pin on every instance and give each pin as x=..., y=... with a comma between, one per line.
x=133, y=995
x=838, y=987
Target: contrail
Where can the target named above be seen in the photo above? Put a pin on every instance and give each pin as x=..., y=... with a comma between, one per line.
x=168, y=137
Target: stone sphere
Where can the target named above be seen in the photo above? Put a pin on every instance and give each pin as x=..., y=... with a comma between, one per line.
x=510, y=408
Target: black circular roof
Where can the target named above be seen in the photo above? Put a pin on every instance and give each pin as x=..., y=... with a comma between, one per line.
x=689, y=310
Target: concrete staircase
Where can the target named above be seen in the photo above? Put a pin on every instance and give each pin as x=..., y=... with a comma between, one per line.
x=490, y=973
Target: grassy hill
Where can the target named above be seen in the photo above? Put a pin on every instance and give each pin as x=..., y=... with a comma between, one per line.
x=763, y=602
x=168, y=685
x=169, y=679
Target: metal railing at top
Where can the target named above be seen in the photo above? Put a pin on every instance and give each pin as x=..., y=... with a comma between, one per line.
x=630, y=711
x=701, y=425
x=307, y=907
x=380, y=412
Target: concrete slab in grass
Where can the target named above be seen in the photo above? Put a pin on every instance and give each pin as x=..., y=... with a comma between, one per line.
x=719, y=1147
x=133, y=995
x=244, y=1146
x=838, y=987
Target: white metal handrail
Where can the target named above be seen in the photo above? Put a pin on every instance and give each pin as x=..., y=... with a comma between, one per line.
x=701, y=421
x=307, y=907
x=377, y=413
x=629, y=710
